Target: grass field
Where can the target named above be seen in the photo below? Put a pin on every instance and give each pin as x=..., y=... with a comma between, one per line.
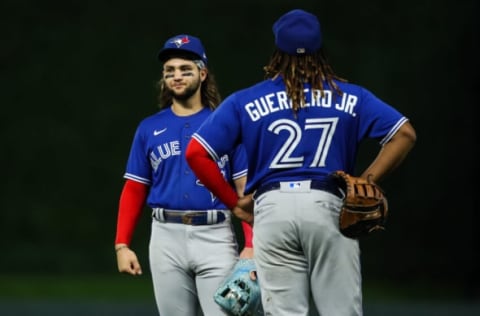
x=97, y=287
x=123, y=295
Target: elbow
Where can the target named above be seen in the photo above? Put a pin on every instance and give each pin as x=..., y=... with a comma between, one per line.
x=403, y=141
x=409, y=134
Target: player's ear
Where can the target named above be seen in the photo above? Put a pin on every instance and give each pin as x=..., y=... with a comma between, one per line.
x=203, y=74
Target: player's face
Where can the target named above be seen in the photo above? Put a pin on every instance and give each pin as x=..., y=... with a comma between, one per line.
x=182, y=77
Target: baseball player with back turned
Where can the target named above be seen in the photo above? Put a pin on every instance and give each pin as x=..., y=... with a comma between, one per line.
x=298, y=126
x=193, y=246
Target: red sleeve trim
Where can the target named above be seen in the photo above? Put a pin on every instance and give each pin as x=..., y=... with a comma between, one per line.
x=248, y=234
x=132, y=200
x=207, y=171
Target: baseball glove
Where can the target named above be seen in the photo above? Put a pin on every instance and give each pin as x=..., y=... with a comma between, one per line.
x=239, y=295
x=365, y=208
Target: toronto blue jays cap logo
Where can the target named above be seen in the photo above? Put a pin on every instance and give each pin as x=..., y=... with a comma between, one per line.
x=180, y=41
x=183, y=42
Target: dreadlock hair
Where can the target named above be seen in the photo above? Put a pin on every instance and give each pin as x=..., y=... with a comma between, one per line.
x=210, y=96
x=299, y=69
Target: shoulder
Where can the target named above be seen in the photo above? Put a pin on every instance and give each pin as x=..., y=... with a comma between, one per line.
x=155, y=120
x=160, y=115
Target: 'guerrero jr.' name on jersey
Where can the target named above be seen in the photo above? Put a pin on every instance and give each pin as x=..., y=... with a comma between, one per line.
x=278, y=101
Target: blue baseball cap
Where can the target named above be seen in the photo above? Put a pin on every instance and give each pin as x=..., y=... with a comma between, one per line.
x=297, y=32
x=183, y=43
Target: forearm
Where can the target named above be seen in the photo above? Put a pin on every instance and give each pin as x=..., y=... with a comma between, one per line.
x=131, y=204
x=392, y=153
x=207, y=171
x=247, y=234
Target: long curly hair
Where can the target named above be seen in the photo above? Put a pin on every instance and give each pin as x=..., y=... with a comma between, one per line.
x=299, y=69
x=210, y=95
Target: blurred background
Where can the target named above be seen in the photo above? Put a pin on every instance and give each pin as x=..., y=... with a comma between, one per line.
x=76, y=77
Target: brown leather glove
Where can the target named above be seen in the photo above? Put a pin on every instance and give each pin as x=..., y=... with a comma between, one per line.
x=365, y=207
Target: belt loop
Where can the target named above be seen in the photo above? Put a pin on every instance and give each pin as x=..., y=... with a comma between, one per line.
x=212, y=217
x=158, y=214
x=161, y=214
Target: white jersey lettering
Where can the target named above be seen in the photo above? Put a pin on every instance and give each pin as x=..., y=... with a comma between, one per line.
x=279, y=101
x=164, y=151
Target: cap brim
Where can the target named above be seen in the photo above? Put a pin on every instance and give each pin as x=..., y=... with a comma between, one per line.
x=165, y=54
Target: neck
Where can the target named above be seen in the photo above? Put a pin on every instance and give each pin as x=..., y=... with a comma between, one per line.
x=186, y=107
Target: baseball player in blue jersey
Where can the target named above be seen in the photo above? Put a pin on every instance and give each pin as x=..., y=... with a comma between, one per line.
x=298, y=126
x=193, y=246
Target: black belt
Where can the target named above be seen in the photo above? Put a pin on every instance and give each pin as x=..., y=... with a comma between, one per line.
x=322, y=185
x=208, y=217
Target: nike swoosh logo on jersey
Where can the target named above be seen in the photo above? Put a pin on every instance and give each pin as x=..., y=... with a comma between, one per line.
x=156, y=133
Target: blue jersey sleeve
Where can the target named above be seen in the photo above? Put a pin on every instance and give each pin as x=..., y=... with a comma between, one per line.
x=138, y=167
x=239, y=162
x=377, y=119
x=220, y=133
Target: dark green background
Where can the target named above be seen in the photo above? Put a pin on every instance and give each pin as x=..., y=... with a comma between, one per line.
x=76, y=77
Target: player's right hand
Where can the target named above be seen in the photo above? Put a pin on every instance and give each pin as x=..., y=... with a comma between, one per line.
x=244, y=209
x=246, y=203
x=127, y=262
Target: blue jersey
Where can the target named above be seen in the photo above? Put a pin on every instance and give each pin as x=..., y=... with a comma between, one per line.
x=323, y=137
x=157, y=159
